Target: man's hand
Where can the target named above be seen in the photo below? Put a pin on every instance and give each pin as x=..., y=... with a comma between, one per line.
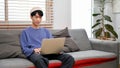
x=37, y=50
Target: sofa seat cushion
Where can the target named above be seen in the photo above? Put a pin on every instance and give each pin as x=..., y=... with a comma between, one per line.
x=92, y=54
x=92, y=57
x=82, y=58
x=86, y=58
x=15, y=63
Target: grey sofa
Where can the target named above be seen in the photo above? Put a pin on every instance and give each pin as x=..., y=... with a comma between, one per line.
x=93, y=53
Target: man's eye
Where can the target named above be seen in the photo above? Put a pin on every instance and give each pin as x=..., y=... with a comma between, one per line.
x=37, y=17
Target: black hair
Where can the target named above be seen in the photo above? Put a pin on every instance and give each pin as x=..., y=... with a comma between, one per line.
x=40, y=13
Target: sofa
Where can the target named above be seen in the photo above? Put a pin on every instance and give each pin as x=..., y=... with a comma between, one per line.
x=93, y=53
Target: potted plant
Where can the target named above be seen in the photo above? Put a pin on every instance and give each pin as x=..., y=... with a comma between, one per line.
x=101, y=29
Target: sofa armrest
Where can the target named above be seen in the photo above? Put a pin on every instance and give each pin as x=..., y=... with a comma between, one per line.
x=105, y=45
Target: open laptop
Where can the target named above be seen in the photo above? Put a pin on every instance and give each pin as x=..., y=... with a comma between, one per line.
x=52, y=45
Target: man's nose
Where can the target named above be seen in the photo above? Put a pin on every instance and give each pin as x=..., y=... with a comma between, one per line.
x=38, y=19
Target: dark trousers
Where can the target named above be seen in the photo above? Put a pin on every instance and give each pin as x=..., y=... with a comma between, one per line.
x=42, y=61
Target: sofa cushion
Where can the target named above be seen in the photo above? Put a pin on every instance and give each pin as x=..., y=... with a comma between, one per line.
x=8, y=51
x=9, y=44
x=10, y=37
x=92, y=57
x=88, y=54
x=81, y=39
x=61, y=33
x=70, y=45
x=82, y=59
x=87, y=58
x=15, y=63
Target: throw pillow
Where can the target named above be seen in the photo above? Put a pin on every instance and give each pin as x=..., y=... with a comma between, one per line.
x=9, y=38
x=61, y=33
x=8, y=51
x=70, y=45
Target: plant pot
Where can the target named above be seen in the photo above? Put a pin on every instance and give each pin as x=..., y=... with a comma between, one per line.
x=105, y=38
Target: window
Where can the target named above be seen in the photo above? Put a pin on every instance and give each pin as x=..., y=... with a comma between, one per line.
x=18, y=11
x=2, y=10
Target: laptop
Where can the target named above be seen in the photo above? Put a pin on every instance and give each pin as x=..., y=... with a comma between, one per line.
x=52, y=45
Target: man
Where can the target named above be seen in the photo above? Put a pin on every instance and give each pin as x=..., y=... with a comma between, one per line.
x=31, y=39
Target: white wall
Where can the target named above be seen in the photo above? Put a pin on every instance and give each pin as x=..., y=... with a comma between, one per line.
x=62, y=14
x=81, y=15
x=116, y=12
x=73, y=14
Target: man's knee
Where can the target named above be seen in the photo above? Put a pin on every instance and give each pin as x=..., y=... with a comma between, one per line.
x=69, y=57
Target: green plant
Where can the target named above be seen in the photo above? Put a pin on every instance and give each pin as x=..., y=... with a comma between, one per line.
x=103, y=30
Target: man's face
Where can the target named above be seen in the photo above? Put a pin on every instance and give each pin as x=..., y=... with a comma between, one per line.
x=36, y=19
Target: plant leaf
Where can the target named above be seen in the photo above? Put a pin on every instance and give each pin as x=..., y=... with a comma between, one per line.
x=102, y=1
x=108, y=18
x=98, y=32
x=109, y=27
x=107, y=34
x=95, y=14
x=114, y=33
x=95, y=25
x=98, y=20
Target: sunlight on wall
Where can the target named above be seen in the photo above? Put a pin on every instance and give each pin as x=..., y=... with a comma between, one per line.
x=81, y=15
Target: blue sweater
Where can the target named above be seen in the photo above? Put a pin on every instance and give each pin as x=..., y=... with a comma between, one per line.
x=31, y=38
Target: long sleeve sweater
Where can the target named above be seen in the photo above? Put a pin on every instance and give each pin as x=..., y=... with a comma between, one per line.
x=31, y=38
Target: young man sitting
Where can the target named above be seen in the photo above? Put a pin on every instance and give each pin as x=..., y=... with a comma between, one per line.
x=31, y=39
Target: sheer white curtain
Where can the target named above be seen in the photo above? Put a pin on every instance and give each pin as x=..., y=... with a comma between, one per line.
x=82, y=15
